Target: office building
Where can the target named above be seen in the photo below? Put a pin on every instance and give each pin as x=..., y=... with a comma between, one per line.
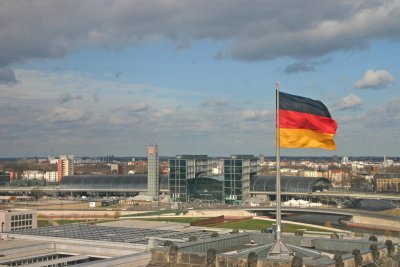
x=153, y=172
x=237, y=172
x=185, y=167
x=12, y=220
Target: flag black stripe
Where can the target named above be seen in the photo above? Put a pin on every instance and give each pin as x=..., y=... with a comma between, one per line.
x=302, y=104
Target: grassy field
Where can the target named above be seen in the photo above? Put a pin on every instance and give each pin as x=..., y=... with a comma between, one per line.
x=46, y=223
x=43, y=223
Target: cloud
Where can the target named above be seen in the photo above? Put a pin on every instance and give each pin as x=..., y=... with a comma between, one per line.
x=255, y=115
x=298, y=67
x=374, y=79
x=260, y=30
x=67, y=97
x=138, y=107
x=349, y=102
x=387, y=115
x=95, y=98
x=134, y=108
x=60, y=115
x=214, y=103
x=32, y=121
x=7, y=76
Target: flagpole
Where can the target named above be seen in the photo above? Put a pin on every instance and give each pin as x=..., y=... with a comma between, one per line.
x=278, y=250
x=278, y=170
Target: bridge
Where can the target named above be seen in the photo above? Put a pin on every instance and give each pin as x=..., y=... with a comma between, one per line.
x=333, y=211
x=340, y=198
x=355, y=195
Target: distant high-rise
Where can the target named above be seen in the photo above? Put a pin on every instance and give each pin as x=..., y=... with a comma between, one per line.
x=237, y=172
x=65, y=166
x=153, y=173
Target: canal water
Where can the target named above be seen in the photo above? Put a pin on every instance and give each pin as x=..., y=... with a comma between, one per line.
x=330, y=220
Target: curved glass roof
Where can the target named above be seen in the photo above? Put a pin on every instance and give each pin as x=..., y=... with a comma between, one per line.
x=131, y=182
x=289, y=183
x=139, y=182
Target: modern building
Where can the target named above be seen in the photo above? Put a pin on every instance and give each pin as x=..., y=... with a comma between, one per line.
x=237, y=172
x=65, y=166
x=153, y=172
x=209, y=188
x=205, y=189
x=13, y=220
x=183, y=168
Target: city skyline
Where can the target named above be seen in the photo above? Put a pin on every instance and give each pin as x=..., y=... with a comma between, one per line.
x=112, y=77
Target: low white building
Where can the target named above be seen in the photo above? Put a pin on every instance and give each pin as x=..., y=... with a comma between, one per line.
x=51, y=176
x=30, y=175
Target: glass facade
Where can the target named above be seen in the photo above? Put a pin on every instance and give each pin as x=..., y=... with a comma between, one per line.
x=233, y=181
x=177, y=180
x=237, y=172
x=183, y=168
x=204, y=188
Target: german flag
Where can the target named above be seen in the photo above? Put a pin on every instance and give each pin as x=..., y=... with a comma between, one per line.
x=305, y=122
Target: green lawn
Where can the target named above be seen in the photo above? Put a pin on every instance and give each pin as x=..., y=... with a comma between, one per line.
x=61, y=222
x=46, y=223
x=43, y=223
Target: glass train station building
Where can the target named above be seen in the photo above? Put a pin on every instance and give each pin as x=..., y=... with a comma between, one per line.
x=191, y=179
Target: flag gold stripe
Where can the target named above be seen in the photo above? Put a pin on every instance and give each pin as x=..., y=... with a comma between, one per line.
x=297, y=138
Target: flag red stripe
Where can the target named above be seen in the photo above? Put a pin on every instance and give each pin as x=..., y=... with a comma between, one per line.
x=299, y=120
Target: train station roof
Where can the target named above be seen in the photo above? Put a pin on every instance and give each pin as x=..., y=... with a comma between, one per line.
x=289, y=184
x=135, y=182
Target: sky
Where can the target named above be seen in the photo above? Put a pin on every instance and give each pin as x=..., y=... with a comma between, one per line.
x=110, y=77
